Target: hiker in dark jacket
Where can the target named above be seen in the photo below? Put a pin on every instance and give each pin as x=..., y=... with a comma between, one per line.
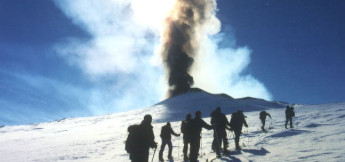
x=186, y=130
x=166, y=133
x=197, y=125
x=289, y=113
x=143, y=140
x=236, y=124
x=263, y=115
x=219, y=123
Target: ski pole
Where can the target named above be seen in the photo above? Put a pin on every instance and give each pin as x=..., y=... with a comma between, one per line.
x=270, y=123
x=228, y=135
x=247, y=137
x=178, y=146
x=215, y=131
x=201, y=143
x=154, y=154
x=228, y=138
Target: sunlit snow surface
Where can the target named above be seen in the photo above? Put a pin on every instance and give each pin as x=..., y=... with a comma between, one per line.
x=318, y=135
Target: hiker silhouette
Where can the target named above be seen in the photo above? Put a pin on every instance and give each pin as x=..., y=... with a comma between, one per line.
x=263, y=115
x=219, y=123
x=166, y=133
x=140, y=139
x=186, y=127
x=289, y=113
x=236, y=123
x=197, y=125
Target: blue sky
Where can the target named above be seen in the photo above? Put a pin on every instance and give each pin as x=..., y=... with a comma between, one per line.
x=296, y=53
x=298, y=46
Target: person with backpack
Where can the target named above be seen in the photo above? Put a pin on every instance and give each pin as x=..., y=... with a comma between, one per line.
x=166, y=133
x=263, y=115
x=140, y=139
x=197, y=125
x=219, y=123
x=289, y=113
x=186, y=130
x=236, y=123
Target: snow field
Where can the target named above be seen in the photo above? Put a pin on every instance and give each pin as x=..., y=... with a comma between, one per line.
x=318, y=135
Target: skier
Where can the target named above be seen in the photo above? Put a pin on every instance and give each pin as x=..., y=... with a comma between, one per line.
x=289, y=113
x=186, y=130
x=263, y=115
x=219, y=123
x=166, y=133
x=236, y=124
x=140, y=139
x=197, y=125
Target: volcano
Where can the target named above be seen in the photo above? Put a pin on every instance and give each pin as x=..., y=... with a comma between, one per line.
x=197, y=99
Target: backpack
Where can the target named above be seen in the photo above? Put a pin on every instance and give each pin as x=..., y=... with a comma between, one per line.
x=132, y=138
x=186, y=127
x=233, y=120
x=292, y=112
x=219, y=121
x=165, y=132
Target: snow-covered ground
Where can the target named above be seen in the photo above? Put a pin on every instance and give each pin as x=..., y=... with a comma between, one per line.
x=318, y=135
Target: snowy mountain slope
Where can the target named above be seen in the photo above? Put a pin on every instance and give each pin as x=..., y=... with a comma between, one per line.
x=318, y=136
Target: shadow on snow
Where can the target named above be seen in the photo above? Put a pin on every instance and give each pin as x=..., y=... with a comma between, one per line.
x=291, y=132
x=260, y=152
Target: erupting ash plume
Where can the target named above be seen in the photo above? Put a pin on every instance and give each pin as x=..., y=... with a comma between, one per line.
x=127, y=40
x=180, y=43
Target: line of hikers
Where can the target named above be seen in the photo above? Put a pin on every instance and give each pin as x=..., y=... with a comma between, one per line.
x=141, y=137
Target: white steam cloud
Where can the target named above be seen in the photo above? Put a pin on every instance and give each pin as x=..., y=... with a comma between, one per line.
x=122, y=54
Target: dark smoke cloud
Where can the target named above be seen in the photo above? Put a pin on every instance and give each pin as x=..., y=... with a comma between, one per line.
x=180, y=44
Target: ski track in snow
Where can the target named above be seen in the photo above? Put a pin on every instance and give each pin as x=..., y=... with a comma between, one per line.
x=319, y=135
